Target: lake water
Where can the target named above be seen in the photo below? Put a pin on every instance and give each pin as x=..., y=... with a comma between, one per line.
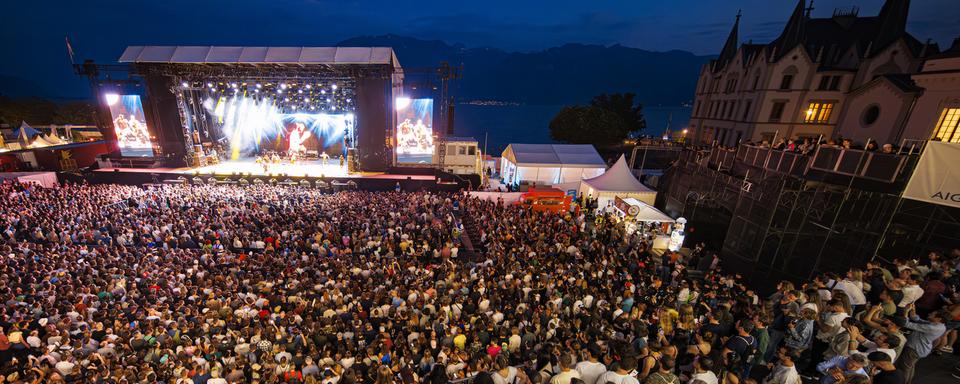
x=530, y=123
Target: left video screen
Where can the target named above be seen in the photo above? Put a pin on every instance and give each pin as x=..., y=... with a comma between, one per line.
x=129, y=125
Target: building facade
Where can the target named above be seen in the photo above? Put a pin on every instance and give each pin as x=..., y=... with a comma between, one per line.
x=846, y=75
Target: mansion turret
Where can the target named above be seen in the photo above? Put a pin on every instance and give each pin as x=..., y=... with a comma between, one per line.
x=846, y=75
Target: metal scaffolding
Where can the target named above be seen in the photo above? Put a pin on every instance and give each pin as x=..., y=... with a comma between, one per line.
x=787, y=218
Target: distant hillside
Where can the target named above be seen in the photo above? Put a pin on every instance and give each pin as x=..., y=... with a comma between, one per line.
x=571, y=73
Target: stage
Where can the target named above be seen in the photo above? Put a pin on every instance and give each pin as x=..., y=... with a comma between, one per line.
x=303, y=168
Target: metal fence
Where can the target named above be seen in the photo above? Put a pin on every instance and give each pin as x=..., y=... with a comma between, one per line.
x=848, y=162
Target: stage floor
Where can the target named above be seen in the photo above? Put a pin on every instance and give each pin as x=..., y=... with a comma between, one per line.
x=314, y=168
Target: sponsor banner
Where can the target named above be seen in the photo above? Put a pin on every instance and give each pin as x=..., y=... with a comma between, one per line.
x=937, y=176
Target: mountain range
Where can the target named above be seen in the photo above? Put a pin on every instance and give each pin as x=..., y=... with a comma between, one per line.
x=568, y=74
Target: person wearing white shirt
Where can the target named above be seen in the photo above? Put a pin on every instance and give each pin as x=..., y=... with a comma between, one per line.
x=703, y=371
x=590, y=369
x=832, y=320
x=622, y=374
x=785, y=372
x=566, y=371
x=911, y=292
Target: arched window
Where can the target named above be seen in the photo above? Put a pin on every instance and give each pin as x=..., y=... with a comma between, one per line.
x=786, y=82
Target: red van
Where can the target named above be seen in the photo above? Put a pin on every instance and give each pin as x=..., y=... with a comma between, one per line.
x=546, y=199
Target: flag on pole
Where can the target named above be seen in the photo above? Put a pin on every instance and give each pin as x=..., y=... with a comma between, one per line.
x=69, y=49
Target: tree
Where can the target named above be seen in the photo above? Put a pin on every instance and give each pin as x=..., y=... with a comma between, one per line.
x=39, y=112
x=34, y=111
x=622, y=104
x=587, y=125
x=75, y=113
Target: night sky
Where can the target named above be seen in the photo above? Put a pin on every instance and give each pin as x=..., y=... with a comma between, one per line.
x=33, y=30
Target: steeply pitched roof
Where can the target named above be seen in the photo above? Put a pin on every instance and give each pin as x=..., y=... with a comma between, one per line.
x=793, y=33
x=730, y=47
x=827, y=40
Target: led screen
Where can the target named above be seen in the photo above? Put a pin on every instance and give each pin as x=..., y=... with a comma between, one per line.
x=414, y=130
x=254, y=126
x=130, y=126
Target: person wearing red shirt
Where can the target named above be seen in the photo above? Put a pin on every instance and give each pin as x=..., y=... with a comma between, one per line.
x=932, y=290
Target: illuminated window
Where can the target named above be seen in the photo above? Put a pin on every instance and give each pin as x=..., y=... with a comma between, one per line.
x=818, y=112
x=947, y=126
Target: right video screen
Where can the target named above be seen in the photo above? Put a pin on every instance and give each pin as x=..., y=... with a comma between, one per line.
x=414, y=130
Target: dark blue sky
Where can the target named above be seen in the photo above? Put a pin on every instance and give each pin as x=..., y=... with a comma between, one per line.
x=33, y=31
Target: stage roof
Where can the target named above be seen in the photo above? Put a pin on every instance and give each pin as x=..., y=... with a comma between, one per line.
x=260, y=55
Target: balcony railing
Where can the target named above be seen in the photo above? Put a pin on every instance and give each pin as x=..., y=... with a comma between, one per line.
x=870, y=165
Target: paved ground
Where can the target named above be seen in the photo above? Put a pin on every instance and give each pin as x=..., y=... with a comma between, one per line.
x=937, y=369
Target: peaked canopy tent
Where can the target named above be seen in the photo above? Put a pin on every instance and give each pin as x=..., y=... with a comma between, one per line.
x=617, y=181
x=25, y=133
x=550, y=163
x=647, y=213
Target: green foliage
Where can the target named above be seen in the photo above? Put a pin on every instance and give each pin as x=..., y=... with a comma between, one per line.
x=587, y=125
x=623, y=105
x=40, y=112
x=607, y=120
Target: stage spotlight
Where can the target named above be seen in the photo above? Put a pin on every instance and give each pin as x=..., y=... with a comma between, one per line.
x=111, y=98
x=306, y=99
x=286, y=99
x=279, y=91
x=185, y=84
x=401, y=103
x=259, y=86
x=334, y=86
x=256, y=91
x=328, y=99
x=300, y=91
x=323, y=92
x=283, y=85
x=309, y=86
x=233, y=85
x=348, y=100
x=210, y=85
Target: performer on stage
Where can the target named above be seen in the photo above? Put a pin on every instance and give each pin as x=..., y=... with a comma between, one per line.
x=341, y=160
x=298, y=136
x=324, y=156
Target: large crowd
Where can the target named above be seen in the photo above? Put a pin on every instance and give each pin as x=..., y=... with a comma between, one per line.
x=266, y=284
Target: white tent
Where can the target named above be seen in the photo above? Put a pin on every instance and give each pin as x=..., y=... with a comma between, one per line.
x=39, y=142
x=617, y=181
x=550, y=163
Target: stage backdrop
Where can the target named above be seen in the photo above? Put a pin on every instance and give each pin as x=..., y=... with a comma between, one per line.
x=937, y=177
